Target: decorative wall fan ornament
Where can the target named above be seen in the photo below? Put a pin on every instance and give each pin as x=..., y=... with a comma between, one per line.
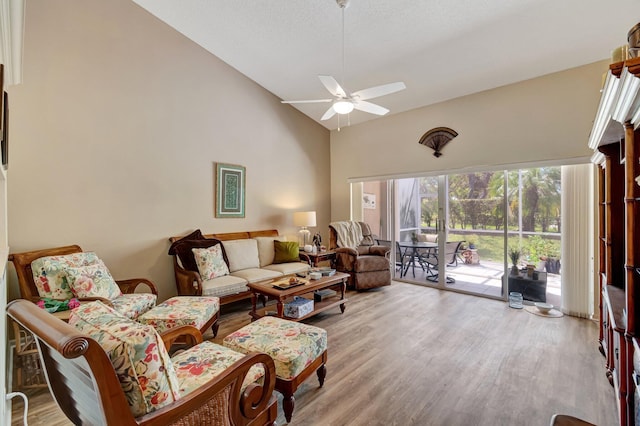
x=344, y=102
x=437, y=138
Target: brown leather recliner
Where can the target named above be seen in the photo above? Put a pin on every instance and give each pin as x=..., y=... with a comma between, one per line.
x=368, y=266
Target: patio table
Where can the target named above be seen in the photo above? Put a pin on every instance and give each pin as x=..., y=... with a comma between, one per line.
x=414, y=247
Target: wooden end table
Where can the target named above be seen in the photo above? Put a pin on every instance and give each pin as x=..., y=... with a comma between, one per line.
x=338, y=281
x=321, y=256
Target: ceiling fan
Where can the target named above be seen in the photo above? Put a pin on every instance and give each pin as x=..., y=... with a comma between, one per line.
x=345, y=102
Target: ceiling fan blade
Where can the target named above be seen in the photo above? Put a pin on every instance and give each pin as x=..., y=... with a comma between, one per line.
x=313, y=101
x=370, y=108
x=332, y=86
x=377, y=91
x=327, y=115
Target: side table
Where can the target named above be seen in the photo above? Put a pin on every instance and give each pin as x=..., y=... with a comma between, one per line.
x=534, y=290
x=28, y=367
x=316, y=258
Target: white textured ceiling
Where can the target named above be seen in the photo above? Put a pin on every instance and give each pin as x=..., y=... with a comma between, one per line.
x=441, y=49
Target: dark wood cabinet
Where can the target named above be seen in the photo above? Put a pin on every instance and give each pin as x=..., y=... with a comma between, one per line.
x=617, y=147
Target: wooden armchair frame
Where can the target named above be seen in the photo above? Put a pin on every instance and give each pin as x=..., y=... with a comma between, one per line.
x=83, y=382
x=28, y=289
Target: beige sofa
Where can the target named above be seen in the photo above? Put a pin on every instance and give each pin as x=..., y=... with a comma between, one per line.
x=249, y=256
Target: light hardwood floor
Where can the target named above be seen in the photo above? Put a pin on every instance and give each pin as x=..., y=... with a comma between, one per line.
x=411, y=355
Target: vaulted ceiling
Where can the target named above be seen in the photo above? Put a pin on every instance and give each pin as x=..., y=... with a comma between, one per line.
x=441, y=49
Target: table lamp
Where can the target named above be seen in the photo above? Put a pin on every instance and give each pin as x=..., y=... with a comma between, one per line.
x=304, y=220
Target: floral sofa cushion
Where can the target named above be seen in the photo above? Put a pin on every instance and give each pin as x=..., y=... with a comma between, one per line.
x=138, y=355
x=49, y=273
x=292, y=345
x=181, y=310
x=205, y=361
x=133, y=305
x=92, y=281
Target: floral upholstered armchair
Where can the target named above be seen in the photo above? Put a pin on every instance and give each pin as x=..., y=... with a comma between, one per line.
x=103, y=368
x=358, y=255
x=62, y=273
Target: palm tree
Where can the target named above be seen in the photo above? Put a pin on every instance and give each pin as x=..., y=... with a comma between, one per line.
x=540, y=195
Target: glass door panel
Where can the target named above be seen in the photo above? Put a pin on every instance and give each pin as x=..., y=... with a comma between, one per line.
x=474, y=253
x=534, y=233
x=458, y=231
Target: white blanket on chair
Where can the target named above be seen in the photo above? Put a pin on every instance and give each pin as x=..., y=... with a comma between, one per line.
x=349, y=233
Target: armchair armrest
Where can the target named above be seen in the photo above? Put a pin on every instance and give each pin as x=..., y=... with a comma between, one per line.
x=129, y=286
x=346, y=250
x=188, y=283
x=189, y=333
x=256, y=405
x=379, y=250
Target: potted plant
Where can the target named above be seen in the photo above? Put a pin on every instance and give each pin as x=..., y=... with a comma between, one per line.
x=514, y=255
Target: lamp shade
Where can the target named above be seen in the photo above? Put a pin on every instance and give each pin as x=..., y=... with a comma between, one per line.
x=304, y=218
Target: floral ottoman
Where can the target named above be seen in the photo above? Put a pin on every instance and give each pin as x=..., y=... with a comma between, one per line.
x=199, y=312
x=297, y=350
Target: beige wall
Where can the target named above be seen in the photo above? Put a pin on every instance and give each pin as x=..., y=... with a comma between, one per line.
x=542, y=119
x=115, y=130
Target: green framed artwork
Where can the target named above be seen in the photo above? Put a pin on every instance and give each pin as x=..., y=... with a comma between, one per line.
x=230, y=186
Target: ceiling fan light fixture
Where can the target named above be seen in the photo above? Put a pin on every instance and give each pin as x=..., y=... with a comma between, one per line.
x=343, y=107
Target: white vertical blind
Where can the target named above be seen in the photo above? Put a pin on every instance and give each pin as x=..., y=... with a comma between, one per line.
x=577, y=242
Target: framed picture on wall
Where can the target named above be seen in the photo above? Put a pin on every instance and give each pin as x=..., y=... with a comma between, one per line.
x=368, y=201
x=230, y=190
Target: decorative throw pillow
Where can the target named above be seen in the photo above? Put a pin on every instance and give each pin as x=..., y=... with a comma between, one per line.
x=92, y=281
x=210, y=262
x=194, y=236
x=49, y=273
x=286, y=251
x=184, y=251
x=138, y=355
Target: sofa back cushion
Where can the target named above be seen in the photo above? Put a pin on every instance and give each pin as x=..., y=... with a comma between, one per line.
x=137, y=353
x=49, y=273
x=266, y=250
x=242, y=254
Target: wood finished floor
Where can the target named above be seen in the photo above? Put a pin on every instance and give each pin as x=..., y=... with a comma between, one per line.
x=411, y=355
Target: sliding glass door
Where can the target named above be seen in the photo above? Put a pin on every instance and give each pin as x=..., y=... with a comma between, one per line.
x=456, y=231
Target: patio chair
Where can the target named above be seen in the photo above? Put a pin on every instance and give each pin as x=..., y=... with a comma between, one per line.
x=431, y=258
x=401, y=258
x=453, y=252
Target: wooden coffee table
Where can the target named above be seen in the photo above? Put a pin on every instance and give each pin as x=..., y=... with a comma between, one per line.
x=338, y=282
